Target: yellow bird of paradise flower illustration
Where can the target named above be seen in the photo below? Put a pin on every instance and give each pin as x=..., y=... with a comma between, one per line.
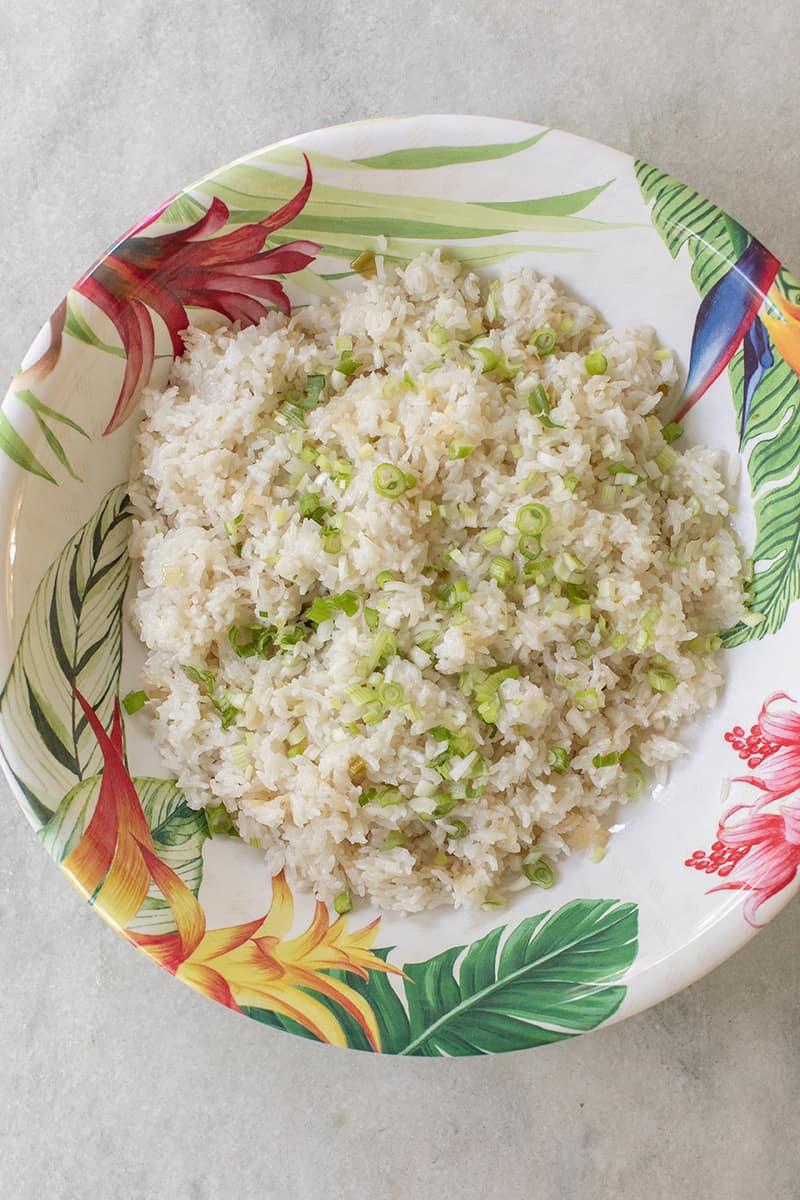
x=252, y=964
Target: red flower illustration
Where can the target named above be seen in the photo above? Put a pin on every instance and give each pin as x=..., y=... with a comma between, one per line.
x=759, y=851
x=773, y=748
x=167, y=273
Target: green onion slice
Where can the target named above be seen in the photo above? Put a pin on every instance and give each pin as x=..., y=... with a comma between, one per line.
x=558, y=759
x=587, y=700
x=219, y=822
x=390, y=481
x=540, y=873
x=596, y=363
x=502, y=570
x=661, y=680
x=533, y=518
x=134, y=701
x=544, y=341
x=606, y=760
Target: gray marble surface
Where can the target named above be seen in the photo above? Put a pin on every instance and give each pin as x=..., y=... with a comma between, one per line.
x=117, y=1081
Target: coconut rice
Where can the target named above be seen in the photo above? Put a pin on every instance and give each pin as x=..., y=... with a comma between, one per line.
x=425, y=697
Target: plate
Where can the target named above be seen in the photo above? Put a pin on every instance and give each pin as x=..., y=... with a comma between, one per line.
x=691, y=870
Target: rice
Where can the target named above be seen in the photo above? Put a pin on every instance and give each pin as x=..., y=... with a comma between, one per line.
x=431, y=734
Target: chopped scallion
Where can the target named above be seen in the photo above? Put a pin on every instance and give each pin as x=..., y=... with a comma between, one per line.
x=289, y=413
x=634, y=782
x=539, y=406
x=661, y=680
x=390, y=693
x=530, y=546
x=312, y=508
x=347, y=364
x=539, y=872
x=666, y=459
x=393, y=840
x=260, y=639
x=583, y=648
x=487, y=358
x=533, y=518
x=544, y=341
x=315, y=386
x=438, y=337
x=372, y=617
x=389, y=480
x=331, y=540
x=342, y=903
x=456, y=829
x=364, y=263
x=596, y=363
x=219, y=822
x=558, y=759
x=606, y=760
x=134, y=701
x=459, y=450
x=672, y=432
x=230, y=527
x=502, y=570
x=587, y=700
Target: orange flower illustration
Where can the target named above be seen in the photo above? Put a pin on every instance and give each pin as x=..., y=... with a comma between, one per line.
x=254, y=964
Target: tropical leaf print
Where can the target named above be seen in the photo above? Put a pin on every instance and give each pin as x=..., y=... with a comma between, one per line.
x=377, y=991
x=72, y=638
x=14, y=445
x=347, y=221
x=419, y=158
x=772, y=448
x=247, y=189
x=47, y=419
x=765, y=385
x=178, y=834
x=682, y=215
x=555, y=976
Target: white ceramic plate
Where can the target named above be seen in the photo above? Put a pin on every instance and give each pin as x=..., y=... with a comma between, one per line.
x=611, y=937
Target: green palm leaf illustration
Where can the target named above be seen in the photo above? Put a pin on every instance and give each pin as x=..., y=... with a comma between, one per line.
x=683, y=216
x=14, y=445
x=178, y=836
x=18, y=450
x=423, y=157
x=345, y=221
x=72, y=637
x=772, y=438
x=772, y=449
x=554, y=976
x=44, y=413
x=551, y=979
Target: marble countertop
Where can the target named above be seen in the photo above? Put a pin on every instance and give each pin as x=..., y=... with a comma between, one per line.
x=116, y=1080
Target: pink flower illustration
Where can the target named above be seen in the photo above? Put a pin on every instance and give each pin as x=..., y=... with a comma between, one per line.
x=775, y=745
x=167, y=273
x=759, y=851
